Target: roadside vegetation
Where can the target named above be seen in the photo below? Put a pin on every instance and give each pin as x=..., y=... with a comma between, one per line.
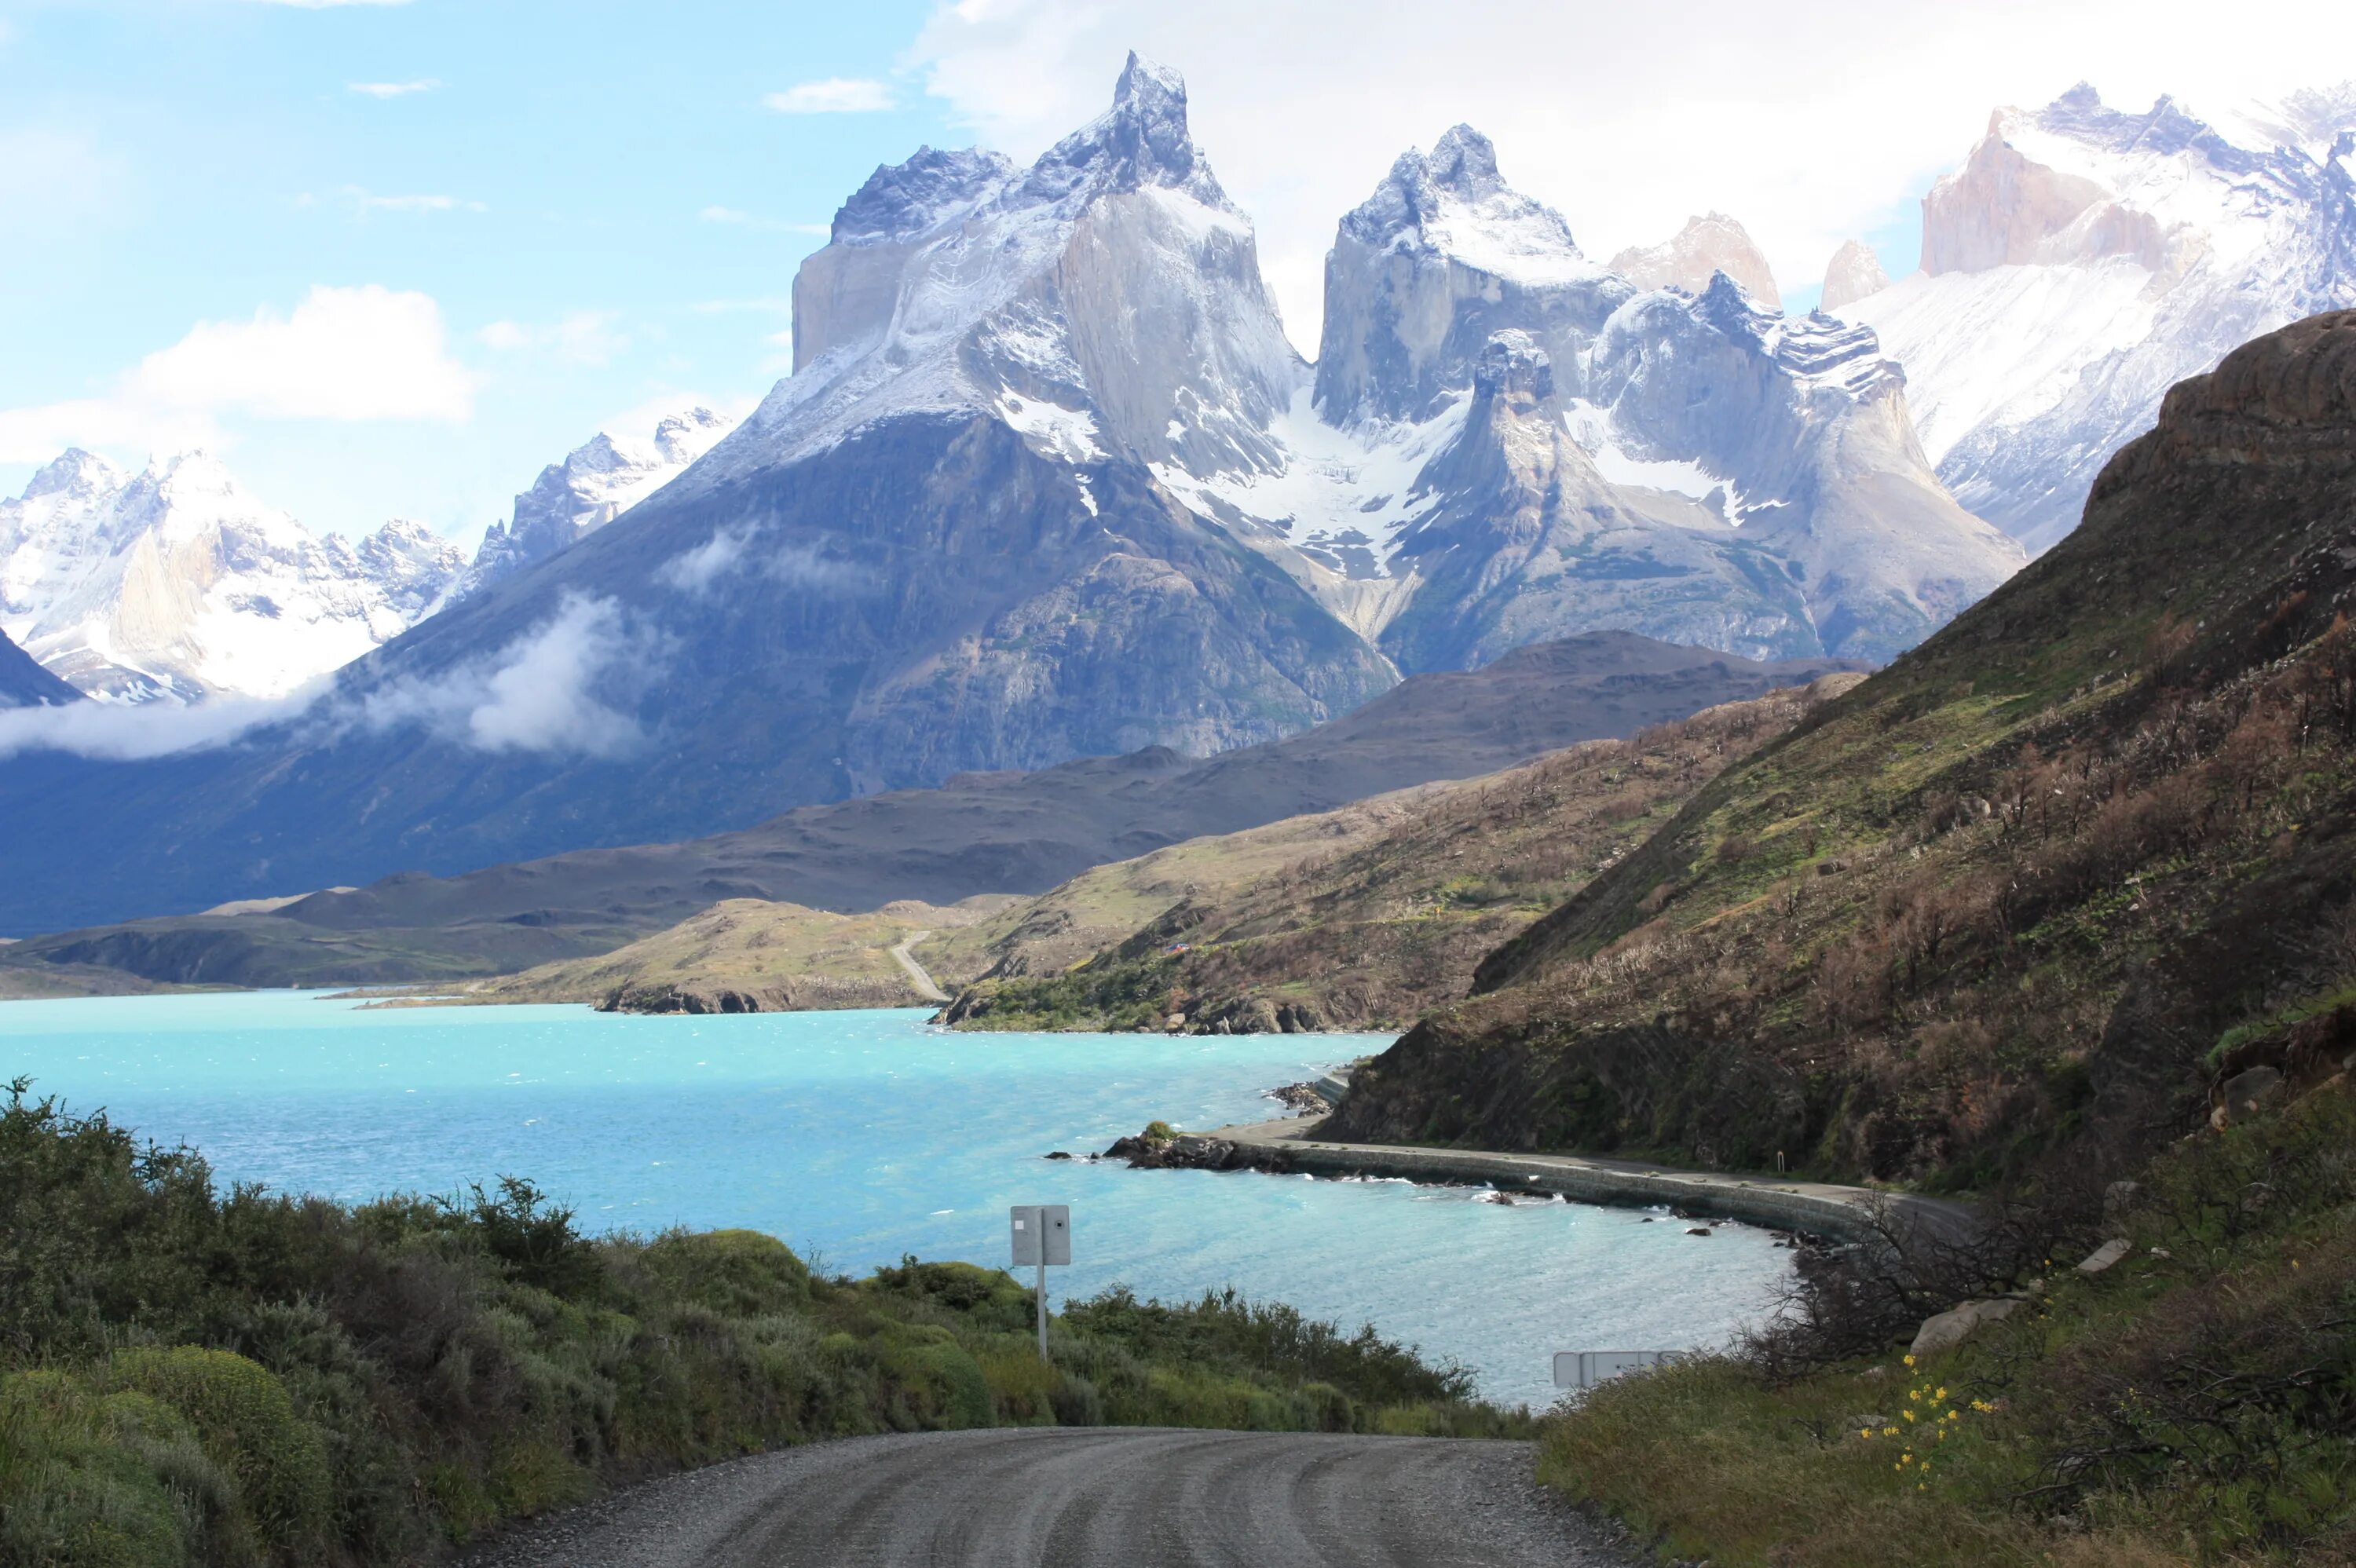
x=2059, y=911
x=192, y=1375
x=2195, y=1403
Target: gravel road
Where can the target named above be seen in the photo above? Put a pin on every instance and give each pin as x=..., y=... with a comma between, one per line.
x=1081, y=1497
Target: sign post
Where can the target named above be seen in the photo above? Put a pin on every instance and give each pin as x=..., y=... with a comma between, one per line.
x=1043, y=1235
x=1585, y=1369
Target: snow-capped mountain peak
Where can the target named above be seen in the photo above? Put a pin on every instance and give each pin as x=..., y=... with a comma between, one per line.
x=1144, y=140
x=1105, y=299
x=174, y=583
x=1452, y=202
x=1854, y=272
x=1707, y=245
x=902, y=201
x=2084, y=259
x=75, y=474
x=598, y=480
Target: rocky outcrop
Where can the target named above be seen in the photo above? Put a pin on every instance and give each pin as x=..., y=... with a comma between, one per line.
x=1944, y=1332
x=1531, y=542
x=1695, y=466
x=1705, y=247
x=1854, y=272
x=1426, y=269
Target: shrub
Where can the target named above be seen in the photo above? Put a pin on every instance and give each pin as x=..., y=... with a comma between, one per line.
x=244, y=1379
x=248, y=1428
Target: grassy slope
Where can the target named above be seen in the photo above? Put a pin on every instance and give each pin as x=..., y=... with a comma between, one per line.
x=193, y=1377
x=2020, y=909
x=2196, y=1402
x=2015, y=887
x=1358, y=918
x=747, y=955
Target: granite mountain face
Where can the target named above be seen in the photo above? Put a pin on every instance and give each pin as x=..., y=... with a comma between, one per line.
x=2086, y=258
x=25, y=683
x=1049, y=481
x=1504, y=441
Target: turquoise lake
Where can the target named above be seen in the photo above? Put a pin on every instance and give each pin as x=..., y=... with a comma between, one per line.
x=861, y=1137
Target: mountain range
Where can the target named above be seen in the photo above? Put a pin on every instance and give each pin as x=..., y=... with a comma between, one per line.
x=976, y=834
x=175, y=583
x=2086, y=258
x=1048, y=482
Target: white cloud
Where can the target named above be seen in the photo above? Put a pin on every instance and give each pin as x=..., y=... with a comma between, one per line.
x=693, y=570
x=116, y=731
x=835, y=95
x=580, y=338
x=1810, y=127
x=540, y=693
x=381, y=89
x=344, y=354
x=725, y=215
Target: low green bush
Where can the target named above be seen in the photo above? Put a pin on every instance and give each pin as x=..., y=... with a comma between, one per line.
x=189, y=1376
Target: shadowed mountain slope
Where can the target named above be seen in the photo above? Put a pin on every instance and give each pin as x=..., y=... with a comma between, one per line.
x=978, y=833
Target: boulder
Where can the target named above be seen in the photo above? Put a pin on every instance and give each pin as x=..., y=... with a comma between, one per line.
x=2108, y=1253
x=1942, y=1333
x=2244, y=1093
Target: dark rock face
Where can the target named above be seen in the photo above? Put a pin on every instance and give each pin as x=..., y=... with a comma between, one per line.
x=25, y=683
x=1719, y=1106
x=1531, y=543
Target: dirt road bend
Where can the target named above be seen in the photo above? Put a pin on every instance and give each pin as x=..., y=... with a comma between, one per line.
x=1085, y=1497
x=917, y=976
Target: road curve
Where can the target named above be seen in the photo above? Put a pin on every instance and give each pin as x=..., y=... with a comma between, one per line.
x=915, y=971
x=1085, y=1498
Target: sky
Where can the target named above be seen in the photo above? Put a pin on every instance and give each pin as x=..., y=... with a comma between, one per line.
x=389, y=257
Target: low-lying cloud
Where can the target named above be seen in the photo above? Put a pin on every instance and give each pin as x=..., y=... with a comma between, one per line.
x=128, y=732
x=545, y=692
x=541, y=693
x=731, y=553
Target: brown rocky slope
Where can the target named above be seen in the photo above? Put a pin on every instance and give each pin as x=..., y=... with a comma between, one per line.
x=2046, y=881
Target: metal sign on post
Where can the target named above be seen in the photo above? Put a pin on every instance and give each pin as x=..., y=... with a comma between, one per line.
x=1585, y=1369
x=1043, y=1235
